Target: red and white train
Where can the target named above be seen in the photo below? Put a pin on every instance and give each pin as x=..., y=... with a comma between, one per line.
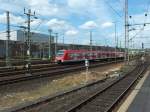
x=80, y=55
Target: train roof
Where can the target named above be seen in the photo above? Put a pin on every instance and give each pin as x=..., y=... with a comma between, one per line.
x=64, y=50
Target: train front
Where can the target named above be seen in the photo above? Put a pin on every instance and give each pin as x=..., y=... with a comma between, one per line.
x=60, y=56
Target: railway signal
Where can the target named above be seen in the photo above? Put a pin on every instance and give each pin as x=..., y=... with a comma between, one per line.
x=87, y=69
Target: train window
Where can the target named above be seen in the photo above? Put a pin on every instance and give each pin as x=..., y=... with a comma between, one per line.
x=60, y=53
x=77, y=55
x=71, y=55
x=88, y=54
x=108, y=55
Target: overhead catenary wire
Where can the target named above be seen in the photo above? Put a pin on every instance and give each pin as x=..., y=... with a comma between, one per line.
x=145, y=19
x=113, y=9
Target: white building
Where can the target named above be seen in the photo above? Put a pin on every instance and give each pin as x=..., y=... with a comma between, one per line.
x=21, y=36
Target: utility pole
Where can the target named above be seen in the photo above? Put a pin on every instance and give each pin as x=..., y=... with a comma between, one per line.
x=63, y=39
x=24, y=39
x=7, y=40
x=24, y=35
x=90, y=40
x=56, y=42
x=43, y=51
x=142, y=46
x=49, y=50
x=29, y=14
x=120, y=46
x=126, y=30
x=115, y=40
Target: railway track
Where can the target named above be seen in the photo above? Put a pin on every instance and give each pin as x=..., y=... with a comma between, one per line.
x=95, y=97
x=21, y=75
x=32, y=70
x=106, y=99
x=20, y=68
x=21, y=62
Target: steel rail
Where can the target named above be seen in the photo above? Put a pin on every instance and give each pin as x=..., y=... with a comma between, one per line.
x=105, y=103
x=49, y=73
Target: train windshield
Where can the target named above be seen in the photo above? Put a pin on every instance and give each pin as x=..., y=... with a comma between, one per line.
x=60, y=53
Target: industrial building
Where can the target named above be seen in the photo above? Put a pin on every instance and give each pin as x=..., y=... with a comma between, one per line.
x=20, y=35
x=39, y=45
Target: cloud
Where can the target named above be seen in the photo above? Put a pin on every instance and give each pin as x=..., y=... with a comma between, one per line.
x=57, y=24
x=60, y=25
x=92, y=9
x=36, y=22
x=3, y=18
x=71, y=33
x=47, y=8
x=107, y=24
x=13, y=19
x=41, y=7
x=13, y=5
x=89, y=25
x=77, y=4
x=142, y=32
x=64, y=15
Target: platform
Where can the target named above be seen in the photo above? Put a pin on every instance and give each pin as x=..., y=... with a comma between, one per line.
x=139, y=99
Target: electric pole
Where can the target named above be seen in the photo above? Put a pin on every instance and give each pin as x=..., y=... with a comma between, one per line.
x=142, y=46
x=90, y=40
x=63, y=39
x=29, y=14
x=126, y=30
x=115, y=40
x=7, y=40
x=56, y=42
x=120, y=46
x=50, y=42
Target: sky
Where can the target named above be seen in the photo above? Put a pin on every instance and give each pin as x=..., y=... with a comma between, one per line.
x=76, y=18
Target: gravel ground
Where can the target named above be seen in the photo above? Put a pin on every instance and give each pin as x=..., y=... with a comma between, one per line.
x=62, y=103
x=15, y=94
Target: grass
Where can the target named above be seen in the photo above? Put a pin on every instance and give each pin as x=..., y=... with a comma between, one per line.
x=53, y=86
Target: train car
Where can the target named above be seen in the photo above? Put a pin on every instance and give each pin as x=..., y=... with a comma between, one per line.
x=80, y=55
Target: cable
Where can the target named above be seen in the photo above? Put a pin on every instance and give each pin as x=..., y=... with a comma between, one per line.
x=143, y=27
x=38, y=25
x=113, y=9
x=6, y=31
x=148, y=5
